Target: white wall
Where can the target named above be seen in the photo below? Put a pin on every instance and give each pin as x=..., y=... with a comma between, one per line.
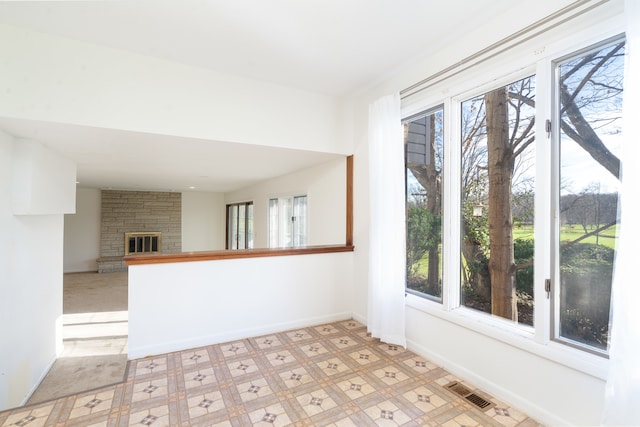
x=325, y=187
x=551, y=392
x=60, y=80
x=531, y=376
x=43, y=181
x=219, y=301
x=203, y=221
x=30, y=280
x=82, y=232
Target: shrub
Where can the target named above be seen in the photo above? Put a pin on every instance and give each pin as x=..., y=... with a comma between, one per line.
x=523, y=252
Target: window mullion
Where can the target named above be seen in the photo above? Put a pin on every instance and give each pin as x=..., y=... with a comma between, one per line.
x=237, y=229
x=451, y=206
x=543, y=203
x=246, y=225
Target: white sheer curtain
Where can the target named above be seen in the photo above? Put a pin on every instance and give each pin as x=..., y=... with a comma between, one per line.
x=623, y=383
x=387, y=256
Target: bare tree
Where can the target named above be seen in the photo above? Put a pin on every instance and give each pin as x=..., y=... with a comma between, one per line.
x=498, y=130
x=503, y=120
x=587, y=91
x=507, y=138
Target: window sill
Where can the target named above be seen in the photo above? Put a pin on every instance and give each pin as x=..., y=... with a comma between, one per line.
x=233, y=254
x=520, y=337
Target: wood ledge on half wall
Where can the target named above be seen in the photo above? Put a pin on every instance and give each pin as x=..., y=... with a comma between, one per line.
x=233, y=254
x=162, y=258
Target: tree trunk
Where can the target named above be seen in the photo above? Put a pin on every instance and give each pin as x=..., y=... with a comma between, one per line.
x=500, y=165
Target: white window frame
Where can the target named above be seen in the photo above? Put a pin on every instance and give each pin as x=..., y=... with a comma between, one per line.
x=554, y=247
x=282, y=221
x=537, y=57
x=444, y=245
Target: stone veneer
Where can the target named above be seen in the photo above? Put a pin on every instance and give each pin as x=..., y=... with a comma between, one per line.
x=133, y=211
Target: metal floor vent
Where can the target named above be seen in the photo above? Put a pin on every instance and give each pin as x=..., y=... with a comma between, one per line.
x=463, y=391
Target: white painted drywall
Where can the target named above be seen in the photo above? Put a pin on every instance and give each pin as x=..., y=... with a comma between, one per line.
x=82, y=232
x=60, y=80
x=30, y=284
x=43, y=181
x=550, y=392
x=184, y=305
x=325, y=188
x=203, y=221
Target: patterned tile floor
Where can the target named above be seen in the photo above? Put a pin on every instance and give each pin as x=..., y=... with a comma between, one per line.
x=328, y=375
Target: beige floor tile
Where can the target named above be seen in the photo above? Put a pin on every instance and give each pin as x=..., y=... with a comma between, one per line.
x=327, y=375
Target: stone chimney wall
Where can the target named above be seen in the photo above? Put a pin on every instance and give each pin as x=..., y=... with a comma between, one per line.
x=136, y=211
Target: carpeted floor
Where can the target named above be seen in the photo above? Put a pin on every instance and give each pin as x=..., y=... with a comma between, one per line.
x=328, y=375
x=95, y=329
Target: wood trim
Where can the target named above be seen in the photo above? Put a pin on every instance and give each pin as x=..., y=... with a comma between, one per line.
x=349, y=228
x=233, y=254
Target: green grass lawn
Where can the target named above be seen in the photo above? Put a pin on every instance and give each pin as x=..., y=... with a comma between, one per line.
x=524, y=232
x=570, y=233
x=422, y=266
x=567, y=233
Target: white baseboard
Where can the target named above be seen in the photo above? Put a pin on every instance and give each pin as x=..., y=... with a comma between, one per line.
x=232, y=335
x=359, y=318
x=534, y=411
x=39, y=381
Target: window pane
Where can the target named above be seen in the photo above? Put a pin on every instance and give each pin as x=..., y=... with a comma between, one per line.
x=288, y=222
x=273, y=223
x=423, y=156
x=590, y=93
x=241, y=226
x=285, y=213
x=250, y=225
x=234, y=227
x=497, y=201
x=300, y=221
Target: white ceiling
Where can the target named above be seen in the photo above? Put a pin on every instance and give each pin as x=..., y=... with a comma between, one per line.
x=332, y=47
x=125, y=160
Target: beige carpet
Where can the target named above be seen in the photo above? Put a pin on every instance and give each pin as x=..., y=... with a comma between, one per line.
x=95, y=332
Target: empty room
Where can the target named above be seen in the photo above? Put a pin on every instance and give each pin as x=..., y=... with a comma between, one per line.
x=218, y=213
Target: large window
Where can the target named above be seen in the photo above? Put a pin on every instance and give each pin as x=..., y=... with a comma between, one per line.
x=288, y=222
x=423, y=157
x=589, y=93
x=497, y=190
x=240, y=225
x=533, y=164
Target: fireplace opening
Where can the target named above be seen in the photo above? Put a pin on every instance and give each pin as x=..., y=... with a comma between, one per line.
x=142, y=242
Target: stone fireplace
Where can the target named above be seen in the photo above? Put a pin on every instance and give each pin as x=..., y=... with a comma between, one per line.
x=138, y=222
